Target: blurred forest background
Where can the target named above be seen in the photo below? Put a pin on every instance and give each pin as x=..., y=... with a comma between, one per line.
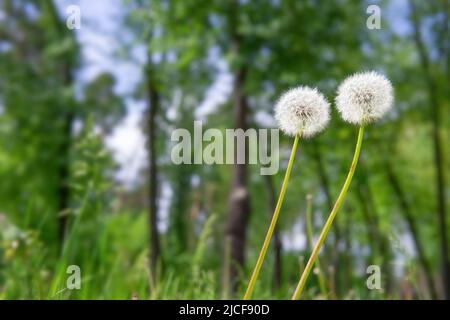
x=86, y=117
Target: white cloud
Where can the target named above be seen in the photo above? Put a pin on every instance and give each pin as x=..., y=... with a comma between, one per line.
x=127, y=142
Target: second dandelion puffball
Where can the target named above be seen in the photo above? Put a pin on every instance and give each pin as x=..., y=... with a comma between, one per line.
x=302, y=111
x=364, y=97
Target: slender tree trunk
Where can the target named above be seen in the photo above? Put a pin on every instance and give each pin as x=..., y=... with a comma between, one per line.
x=64, y=167
x=153, y=102
x=239, y=201
x=195, y=210
x=378, y=239
x=411, y=222
x=324, y=181
x=371, y=235
x=347, y=259
x=277, y=248
x=325, y=186
x=239, y=205
x=437, y=148
x=64, y=170
x=66, y=66
x=181, y=218
x=64, y=176
x=444, y=43
x=385, y=249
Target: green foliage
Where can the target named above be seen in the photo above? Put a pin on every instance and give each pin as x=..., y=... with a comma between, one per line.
x=53, y=126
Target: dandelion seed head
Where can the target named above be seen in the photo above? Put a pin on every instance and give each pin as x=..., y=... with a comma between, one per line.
x=364, y=97
x=303, y=111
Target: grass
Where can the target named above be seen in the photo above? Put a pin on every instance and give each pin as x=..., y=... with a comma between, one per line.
x=116, y=267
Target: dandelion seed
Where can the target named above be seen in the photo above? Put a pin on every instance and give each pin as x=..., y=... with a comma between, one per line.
x=364, y=97
x=302, y=111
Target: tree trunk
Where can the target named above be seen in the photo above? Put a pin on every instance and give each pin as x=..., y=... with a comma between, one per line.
x=325, y=186
x=437, y=151
x=64, y=176
x=153, y=101
x=347, y=258
x=239, y=202
x=379, y=241
x=371, y=235
x=66, y=65
x=411, y=222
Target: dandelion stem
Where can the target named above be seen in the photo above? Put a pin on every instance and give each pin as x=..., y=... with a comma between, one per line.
x=309, y=233
x=276, y=213
x=328, y=223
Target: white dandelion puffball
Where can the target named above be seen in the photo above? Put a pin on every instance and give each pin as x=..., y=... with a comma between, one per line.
x=364, y=97
x=302, y=111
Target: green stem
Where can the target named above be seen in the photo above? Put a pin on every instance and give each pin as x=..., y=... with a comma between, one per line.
x=276, y=213
x=309, y=233
x=328, y=223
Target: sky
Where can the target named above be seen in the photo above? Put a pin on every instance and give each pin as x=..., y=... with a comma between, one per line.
x=100, y=23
